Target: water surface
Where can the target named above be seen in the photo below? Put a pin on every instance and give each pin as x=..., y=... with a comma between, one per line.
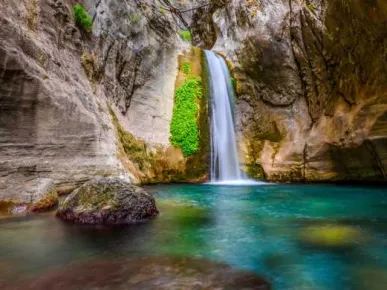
x=257, y=228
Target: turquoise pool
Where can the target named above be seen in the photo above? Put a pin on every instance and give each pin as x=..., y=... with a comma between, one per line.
x=296, y=236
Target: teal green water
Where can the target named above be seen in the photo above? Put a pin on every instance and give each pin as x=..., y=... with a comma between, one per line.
x=277, y=231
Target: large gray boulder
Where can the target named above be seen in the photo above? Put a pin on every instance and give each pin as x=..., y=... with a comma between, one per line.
x=107, y=201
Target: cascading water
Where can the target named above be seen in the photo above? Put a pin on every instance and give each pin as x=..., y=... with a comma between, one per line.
x=224, y=154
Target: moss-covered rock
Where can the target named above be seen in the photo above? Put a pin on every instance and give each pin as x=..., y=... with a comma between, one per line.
x=107, y=201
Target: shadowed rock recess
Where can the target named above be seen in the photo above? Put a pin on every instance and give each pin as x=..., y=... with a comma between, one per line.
x=311, y=81
x=310, y=78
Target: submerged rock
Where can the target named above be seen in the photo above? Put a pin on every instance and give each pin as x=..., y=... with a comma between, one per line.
x=107, y=201
x=147, y=273
x=331, y=236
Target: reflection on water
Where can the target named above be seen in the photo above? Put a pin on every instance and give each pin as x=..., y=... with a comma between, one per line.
x=298, y=237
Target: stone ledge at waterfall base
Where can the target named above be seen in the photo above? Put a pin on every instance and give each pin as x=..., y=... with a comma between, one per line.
x=107, y=201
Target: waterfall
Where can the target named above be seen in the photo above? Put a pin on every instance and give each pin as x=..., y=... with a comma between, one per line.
x=224, y=153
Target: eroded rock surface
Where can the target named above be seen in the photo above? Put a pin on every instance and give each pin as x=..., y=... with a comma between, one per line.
x=107, y=201
x=311, y=84
x=56, y=81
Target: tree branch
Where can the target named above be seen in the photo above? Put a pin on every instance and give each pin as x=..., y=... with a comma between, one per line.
x=176, y=12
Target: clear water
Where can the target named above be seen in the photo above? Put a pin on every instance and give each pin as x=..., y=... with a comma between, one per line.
x=250, y=227
x=224, y=154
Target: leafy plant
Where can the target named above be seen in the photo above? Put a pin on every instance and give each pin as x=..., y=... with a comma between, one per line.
x=185, y=35
x=82, y=19
x=187, y=68
x=184, y=127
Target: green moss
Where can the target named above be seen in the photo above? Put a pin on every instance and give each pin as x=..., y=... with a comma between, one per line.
x=184, y=128
x=187, y=68
x=234, y=83
x=134, y=148
x=311, y=7
x=88, y=196
x=134, y=18
x=82, y=19
x=185, y=35
x=162, y=10
x=255, y=171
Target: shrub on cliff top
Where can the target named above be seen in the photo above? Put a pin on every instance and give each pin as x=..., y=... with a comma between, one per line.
x=184, y=128
x=82, y=19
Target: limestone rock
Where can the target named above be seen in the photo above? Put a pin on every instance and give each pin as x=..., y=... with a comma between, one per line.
x=107, y=201
x=311, y=84
x=45, y=203
x=56, y=82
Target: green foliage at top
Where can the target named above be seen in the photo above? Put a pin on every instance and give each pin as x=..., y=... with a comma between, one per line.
x=185, y=35
x=82, y=19
x=187, y=68
x=184, y=127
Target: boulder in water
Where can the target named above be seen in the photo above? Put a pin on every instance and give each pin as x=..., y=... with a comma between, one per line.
x=107, y=201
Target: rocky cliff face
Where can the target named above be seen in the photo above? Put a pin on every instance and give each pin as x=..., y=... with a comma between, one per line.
x=310, y=78
x=311, y=84
x=56, y=81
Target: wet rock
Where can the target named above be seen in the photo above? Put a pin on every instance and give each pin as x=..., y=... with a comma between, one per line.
x=147, y=273
x=46, y=203
x=18, y=209
x=10, y=208
x=108, y=201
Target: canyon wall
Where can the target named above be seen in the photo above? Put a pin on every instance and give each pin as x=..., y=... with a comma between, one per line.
x=310, y=77
x=311, y=84
x=60, y=86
